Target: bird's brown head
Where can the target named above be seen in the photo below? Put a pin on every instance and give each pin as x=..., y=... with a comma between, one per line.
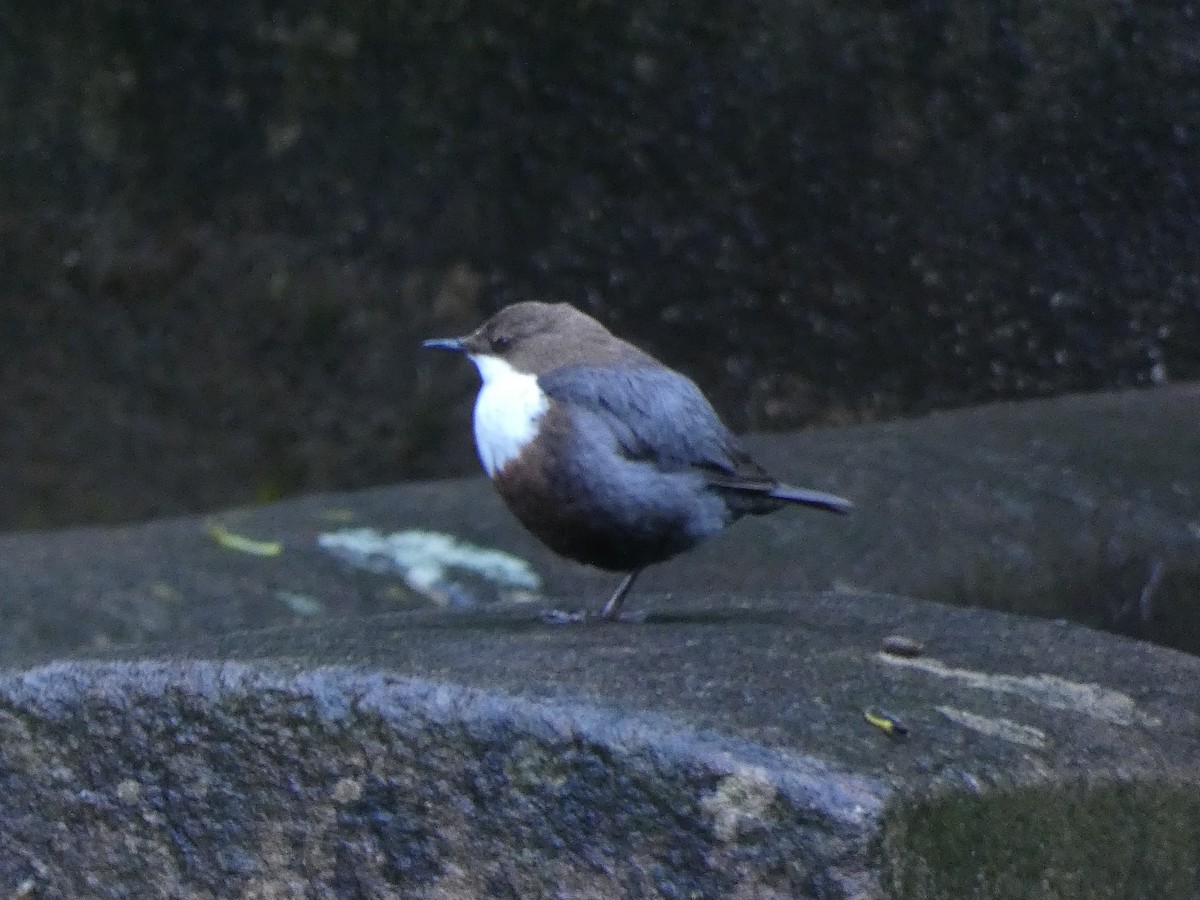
x=537, y=337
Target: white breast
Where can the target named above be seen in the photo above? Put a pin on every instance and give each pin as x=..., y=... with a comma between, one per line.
x=506, y=412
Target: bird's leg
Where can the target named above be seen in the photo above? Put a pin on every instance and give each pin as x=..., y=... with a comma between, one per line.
x=610, y=613
x=612, y=608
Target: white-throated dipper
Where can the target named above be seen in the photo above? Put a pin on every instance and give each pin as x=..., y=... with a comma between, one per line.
x=605, y=454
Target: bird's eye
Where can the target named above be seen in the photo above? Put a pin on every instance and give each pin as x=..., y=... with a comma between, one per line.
x=501, y=341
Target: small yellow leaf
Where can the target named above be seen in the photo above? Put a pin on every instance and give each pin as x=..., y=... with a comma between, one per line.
x=231, y=541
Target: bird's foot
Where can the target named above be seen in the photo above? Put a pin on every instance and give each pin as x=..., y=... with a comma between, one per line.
x=577, y=617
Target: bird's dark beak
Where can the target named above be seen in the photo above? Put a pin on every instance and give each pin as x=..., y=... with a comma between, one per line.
x=458, y=345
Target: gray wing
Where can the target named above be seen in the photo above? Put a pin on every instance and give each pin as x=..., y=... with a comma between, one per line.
x=657, y=415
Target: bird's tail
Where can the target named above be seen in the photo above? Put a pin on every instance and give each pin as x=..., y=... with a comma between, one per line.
x=805, y=497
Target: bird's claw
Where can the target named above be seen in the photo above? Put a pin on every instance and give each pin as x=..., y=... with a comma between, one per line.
x=563, y=617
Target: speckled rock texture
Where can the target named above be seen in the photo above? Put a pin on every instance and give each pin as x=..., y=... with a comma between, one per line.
x=706, y=754
x=221, y=779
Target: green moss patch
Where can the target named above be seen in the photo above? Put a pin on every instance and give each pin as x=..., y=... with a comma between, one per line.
x=1113, y=840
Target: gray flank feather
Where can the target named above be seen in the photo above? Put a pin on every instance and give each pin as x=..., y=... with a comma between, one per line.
x=656, y=414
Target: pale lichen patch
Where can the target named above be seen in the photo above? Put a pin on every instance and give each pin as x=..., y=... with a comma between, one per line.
x=740, y=803
x=1053, y=691
x=997, y=726
x=425, y=558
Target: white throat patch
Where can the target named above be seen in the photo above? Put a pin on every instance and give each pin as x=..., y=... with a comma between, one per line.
x=506, y=412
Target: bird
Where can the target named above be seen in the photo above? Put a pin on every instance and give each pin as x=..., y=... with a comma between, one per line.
x=605, y=454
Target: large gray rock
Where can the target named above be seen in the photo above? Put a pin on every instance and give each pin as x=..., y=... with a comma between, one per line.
x=294, y=716
x=710, y=754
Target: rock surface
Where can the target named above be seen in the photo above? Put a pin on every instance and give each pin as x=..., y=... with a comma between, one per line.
x=711, y=754
x=292, y=724
x=1061, y=508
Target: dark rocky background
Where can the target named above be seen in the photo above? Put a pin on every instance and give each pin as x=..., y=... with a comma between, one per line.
x=225, y=226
